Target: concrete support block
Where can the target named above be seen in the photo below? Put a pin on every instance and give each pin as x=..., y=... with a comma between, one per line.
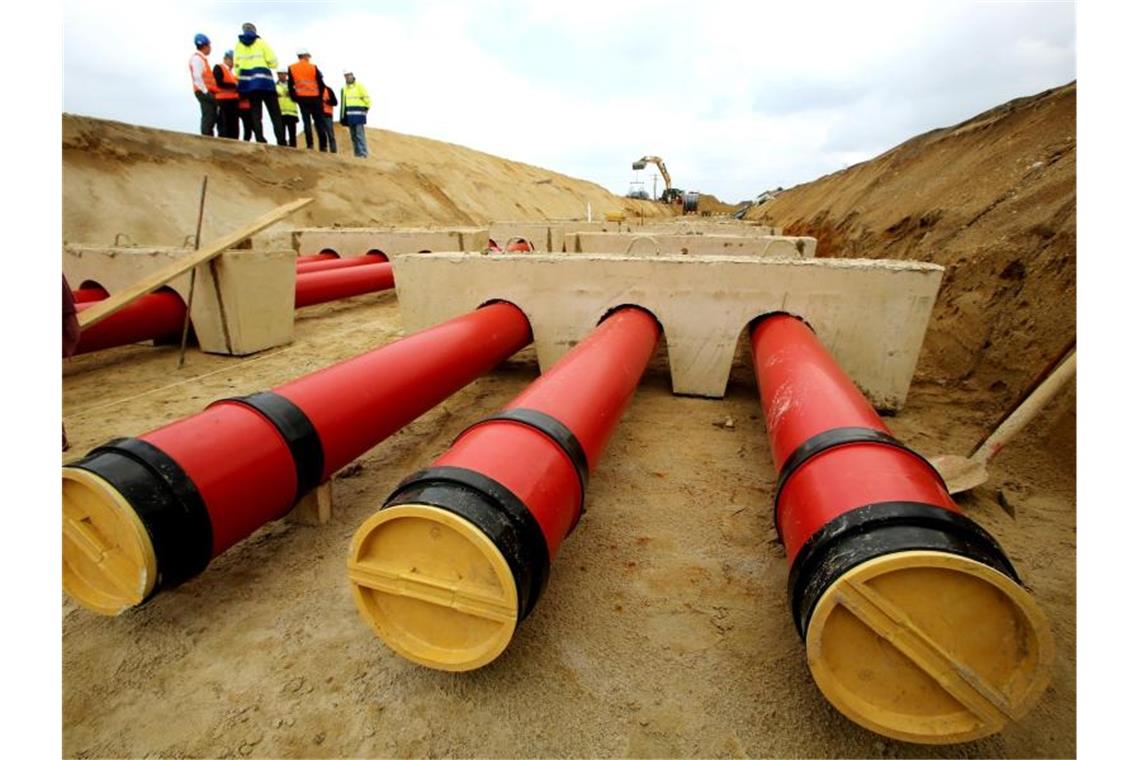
x=690, y=226
x=356, y=241
x=872, y=315
x=657, y=244
x=243, y=300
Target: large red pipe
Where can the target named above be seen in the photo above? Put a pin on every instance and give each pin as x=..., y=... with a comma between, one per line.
x=152, y=317
x=459, y=554
x=347, y=263
x=322, y=256
x=319, y=287
x=190, y=490
x=914, y=618
x=88, y=294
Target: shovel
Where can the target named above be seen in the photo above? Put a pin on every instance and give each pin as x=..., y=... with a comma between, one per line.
x=963, y=473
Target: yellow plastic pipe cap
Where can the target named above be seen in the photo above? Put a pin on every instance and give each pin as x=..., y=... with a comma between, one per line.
x=433, y=586
x=929, y=647
x=108, y=560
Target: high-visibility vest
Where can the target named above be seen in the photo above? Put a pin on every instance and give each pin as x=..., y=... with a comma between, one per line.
x=288, y=105
x=354, y=104
x=229, y=78
x=304, y=79
x=254, y=65
x=207, y=73
x=326, y=104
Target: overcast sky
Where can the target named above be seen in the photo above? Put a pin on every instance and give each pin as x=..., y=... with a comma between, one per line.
x=736, y=97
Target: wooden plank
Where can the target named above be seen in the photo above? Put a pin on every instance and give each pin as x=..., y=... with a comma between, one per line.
x=152, y=282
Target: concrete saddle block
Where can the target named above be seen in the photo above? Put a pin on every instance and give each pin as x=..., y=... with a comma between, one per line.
x=548, y=236
x=657, y=244
x=872, y=315
x=254, y=292
x=357, y=241
x=551, y=236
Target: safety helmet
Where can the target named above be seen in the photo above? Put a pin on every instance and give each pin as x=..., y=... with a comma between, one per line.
x=228, y=54
x=302, y=51
x=248, y=27
x=347, y=72
x=200, y=40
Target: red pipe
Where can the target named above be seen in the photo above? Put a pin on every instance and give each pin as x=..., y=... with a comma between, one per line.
x=872, y=535
x=153, y=317
x=513, y=487
x=348, y=263
x=319, y=287
x=322, y=256
x=89, y=294
x=203, y=483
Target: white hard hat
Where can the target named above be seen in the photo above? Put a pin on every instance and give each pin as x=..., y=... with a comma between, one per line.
x=302, y=51
x=347, y=72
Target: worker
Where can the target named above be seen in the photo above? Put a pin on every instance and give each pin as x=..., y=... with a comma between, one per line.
x=328, y=103
x=288, y=109
x=227, y=96
x=306, y=84
x=204, y=86
x=254, y=63
x=354, y=105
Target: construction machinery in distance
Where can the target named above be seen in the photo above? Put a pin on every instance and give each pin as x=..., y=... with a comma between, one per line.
x=671, y=195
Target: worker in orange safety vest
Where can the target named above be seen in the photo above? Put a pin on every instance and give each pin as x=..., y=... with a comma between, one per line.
x=306, y=84
x=227, y=97
x=328, y=103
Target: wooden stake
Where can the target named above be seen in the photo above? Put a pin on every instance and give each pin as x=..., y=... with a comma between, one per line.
x=193, y=277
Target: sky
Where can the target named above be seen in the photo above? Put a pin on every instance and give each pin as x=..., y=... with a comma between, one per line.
x=737, y=97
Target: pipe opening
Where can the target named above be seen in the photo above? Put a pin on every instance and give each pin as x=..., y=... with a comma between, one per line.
x=615, y=309
x=755, y=321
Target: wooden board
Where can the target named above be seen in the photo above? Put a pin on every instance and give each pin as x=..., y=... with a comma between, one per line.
x=152, y=282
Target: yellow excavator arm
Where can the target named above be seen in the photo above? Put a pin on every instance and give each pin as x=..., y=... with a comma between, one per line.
x=640, y=163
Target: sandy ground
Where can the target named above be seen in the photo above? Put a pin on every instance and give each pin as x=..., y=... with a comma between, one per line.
x=664, y=630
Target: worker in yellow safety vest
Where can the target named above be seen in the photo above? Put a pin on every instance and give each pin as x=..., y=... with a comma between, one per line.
x=254, y=63
x=288, y=109
x=306, y=85
x=354, y=105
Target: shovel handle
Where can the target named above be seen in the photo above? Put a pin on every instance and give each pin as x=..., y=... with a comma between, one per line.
x=1027, y=410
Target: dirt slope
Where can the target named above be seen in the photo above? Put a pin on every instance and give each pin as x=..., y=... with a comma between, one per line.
x=992, y=199
x=145, y=183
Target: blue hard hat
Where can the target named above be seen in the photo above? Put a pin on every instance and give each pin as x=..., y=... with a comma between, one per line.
x=200, y=40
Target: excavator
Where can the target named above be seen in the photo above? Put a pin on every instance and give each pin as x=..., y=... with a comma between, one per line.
x=671, y=195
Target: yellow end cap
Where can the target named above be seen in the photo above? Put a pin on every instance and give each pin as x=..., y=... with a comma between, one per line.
x=433, y=587
x=108, y=560
x=929, y=647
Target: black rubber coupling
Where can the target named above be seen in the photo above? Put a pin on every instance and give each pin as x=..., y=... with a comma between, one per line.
x=166, y=501
x=496, y=511
x=295, y=427
x=876, y=530
x=830, y=439
x=560, y=435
